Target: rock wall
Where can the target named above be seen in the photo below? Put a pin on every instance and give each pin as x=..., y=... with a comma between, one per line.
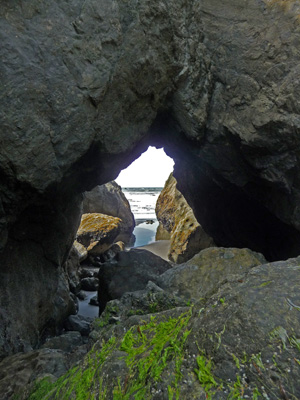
x=177, y=219
x=87, y=86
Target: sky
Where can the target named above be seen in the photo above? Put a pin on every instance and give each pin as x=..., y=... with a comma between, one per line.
x=151, y=169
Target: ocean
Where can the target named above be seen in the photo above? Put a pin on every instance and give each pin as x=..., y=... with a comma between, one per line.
x=142, y=201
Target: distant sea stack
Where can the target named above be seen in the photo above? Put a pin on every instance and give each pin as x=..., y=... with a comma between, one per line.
x=178, y=223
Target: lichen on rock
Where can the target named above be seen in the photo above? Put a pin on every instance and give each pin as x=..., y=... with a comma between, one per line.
x=178, y=223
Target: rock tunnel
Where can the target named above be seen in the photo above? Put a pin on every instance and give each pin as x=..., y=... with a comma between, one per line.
x=87, y=87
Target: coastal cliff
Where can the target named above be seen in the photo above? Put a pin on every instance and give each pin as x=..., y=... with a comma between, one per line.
x=87, y=86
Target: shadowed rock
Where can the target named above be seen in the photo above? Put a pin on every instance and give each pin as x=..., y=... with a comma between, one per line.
x=87, y=86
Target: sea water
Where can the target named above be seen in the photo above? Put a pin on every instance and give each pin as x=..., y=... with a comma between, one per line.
x=142, y=201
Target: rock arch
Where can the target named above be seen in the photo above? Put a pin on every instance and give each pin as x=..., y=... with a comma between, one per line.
x=85, y=87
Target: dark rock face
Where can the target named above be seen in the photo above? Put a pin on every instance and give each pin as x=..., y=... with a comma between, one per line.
x=240, y=342
x=130, y=271
x=85, y=87
x=110, y=200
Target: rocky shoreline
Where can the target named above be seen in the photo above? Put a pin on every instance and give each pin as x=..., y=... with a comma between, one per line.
x=86, y=87
x=223, y=325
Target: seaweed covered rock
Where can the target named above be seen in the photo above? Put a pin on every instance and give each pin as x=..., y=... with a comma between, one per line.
x=97, y=232
x=178, y=223
x=243, y=342
x=110, y=200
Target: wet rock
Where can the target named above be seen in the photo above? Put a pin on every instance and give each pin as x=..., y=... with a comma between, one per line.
x=178, y=223
x=65, y=342
x=78, y=323
x=86, y=273
x=130, y=271
x=204, y=273
x=110, y=200
x=20, y=370
x=242, y=339
x=97, y=232
x=90, y=284
x=85, y=87
x=82, y=295
x=94, y=301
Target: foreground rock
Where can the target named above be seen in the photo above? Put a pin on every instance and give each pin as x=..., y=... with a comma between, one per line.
x=241, y=342
x=130, y=271
x=97, y=232
x=18, y=372
x=178, y=223
x=110, y=200
x=86, y=86
x=204, y=273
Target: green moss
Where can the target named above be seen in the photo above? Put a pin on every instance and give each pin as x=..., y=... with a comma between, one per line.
x=78, y=383
x=41, y=389
x=150, y=347
x=205, y=376
x=265, y=284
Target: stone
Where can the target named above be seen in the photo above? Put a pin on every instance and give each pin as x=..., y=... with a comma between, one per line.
x=178, y=223
x=94, y=301
x=97, y=232
x=110, y=200
x=81, y=295
x=242, y=340
x=80, y=250
x=72, y=268
x=86, y=87
x=202, y=275
x=65, y=342
x=78, y=323
x=130, y=271
x=90, y=284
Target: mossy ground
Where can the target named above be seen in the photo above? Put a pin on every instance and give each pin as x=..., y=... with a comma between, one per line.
x=148, y=349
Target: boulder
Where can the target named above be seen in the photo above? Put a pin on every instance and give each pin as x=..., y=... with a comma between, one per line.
x=94, y=301
x=90, y=284
x=78, y=323
x=203, y=274
x=20, y=370
x=241, y=343
x=178, y=223
x=130, y=271
x=110, y=200
x=80, y=250
x=65, y=342
x=97, y=232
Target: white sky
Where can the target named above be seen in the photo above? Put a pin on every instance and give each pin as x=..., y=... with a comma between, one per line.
x=151, y=169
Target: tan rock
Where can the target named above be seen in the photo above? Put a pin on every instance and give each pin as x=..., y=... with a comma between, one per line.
x=97, y=232
x=80, y=250
x=109, y=199
x=177, y=220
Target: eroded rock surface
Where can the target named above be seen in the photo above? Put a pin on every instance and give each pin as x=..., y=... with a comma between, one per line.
x=177, y=219
x=110, y=200
x=240, y=342
x=86, y=86
x=97, y=232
